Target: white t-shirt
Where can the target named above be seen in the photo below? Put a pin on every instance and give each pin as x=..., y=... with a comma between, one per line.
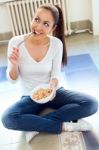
x=33, y=73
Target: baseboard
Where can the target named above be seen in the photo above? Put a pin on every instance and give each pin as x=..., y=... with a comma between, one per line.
x=5, y=36
x=81, y=25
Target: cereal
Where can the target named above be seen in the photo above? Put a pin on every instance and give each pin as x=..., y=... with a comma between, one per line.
x=42, y=93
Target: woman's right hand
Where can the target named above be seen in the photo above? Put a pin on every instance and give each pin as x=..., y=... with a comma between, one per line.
x=14, y=56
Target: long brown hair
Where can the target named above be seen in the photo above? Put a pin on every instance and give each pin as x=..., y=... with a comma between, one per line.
x=59, y=30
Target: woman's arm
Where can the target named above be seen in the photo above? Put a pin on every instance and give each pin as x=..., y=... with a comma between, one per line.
x=14, y=72
x=56, y=65
x=13, y=63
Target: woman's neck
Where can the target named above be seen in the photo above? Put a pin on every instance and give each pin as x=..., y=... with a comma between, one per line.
x=43, y=41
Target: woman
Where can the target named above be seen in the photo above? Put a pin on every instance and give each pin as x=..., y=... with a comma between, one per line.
x=39, y=60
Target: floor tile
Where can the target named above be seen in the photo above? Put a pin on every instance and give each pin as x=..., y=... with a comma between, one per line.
x=5, y=137
x=21, y=146
x=17, y=137
x=5, y=147
x=45, y=142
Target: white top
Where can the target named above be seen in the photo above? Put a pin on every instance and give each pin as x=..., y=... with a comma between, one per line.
x=33, y=73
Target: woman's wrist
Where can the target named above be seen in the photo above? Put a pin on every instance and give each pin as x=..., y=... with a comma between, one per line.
x=53, y=83
x=14, y=72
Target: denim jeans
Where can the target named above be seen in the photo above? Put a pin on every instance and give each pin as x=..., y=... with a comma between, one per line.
x=68, y=105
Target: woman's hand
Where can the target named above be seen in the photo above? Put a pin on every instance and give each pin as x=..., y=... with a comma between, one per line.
x=14, y=60
x=54, y=93
x=53, y=85
x=14, y=56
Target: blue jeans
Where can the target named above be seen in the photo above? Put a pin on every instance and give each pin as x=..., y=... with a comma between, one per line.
x=68, y=105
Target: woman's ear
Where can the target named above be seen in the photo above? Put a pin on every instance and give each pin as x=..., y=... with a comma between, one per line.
x=54, y=28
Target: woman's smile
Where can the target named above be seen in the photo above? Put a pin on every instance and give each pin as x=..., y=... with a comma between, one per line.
x=35, y=32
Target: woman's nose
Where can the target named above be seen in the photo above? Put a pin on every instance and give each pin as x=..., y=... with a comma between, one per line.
x=39, y=26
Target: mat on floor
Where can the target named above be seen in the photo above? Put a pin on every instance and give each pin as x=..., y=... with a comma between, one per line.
x=63, y=141
x=3, y=73
x=81, y=72
x=71, y=141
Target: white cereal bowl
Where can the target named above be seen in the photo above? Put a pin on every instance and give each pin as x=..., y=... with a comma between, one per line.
x=43, y=100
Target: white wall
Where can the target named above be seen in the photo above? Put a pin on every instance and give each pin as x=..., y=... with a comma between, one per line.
x=5, y=1
x=80, y=10
x=4, y=20
x=95, y=16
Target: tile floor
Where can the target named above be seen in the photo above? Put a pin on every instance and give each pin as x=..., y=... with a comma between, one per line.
x=84, y=43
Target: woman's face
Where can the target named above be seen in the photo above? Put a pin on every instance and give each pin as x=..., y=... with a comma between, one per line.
x=42, y=23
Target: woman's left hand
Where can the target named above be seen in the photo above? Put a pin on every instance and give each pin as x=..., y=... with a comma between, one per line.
x=53, y=86
x=54, y=92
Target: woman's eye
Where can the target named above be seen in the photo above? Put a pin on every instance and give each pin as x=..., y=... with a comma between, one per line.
x=36, y=19
x=46, y=24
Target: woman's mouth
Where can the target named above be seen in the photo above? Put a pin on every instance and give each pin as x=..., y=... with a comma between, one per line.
x=37, y=33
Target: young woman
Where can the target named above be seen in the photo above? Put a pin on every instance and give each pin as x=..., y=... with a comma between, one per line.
x=38, y=60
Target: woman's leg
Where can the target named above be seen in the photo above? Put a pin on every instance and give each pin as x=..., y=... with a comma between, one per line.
x=23, y=116
x=71, y=105
x=12, y=115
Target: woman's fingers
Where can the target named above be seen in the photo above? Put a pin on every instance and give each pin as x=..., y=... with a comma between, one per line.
x=54, y=94
x=14, y=56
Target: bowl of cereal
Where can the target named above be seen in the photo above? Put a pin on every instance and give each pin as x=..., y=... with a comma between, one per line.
x=42, y=93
